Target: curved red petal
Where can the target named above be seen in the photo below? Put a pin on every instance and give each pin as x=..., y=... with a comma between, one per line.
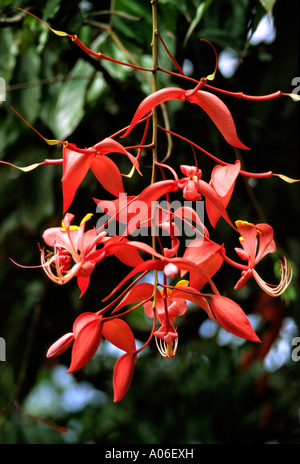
x=75, y=167
x=123, y=373
x=223, y=181
x=219, y=114
x=215, y=202
x=126, y=254
x=139, y=292
x=118, y=332
x=205, y=254
x=86, y=344
x=83, y=283
x=231, y=316
x=248, y=239
x=266, y=242
x=223, y=178
x=109, y=145
x=82, y=320
x=148, y=265
x=191, y=294
x=153, y=100
x=108, y=174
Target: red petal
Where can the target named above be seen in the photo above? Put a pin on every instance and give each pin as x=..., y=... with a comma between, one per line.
x=223, y=178
x=266, y=242
x=82, y=320
x=248, y=239
x=205, y=254
x=214, y=200
x=118, y=332
x=86, y=344
x=126, y=254
x=187, y=213
x=123, y=373
x=197, y=274
x=242, y=254
x=190, y=294
x=109, y=145
x=83, y=283
x=220, y=115
x=156, y=98
x=231, y=316
x=139, y=292
x=149, y=265
x=145, y=201
x=112, y=247
x=117, y=208
x=108, y=174
x=223, y=181
x=75, y=167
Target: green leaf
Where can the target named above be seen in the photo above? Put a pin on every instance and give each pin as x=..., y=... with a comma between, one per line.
x=198, y=16
x=267, y=4
x=50, y=9
x=68, y=110
x=29, y=99
x=39, y=193
x=9, y=51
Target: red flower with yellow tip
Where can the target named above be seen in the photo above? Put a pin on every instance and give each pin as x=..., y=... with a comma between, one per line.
x=73, y=252
x=257, y=241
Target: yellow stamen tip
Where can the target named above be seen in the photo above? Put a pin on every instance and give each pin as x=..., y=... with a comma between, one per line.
x=240, y=223
x=182, y=283
x=86, y=218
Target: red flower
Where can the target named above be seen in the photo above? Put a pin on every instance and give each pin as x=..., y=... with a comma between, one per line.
x=75, y=252
x=88, y=330
x=211, y=104
x=77, y=162
x=171, y=302
x=73, y=248
x=194, y=187
x=254, y=250
x=167, y=309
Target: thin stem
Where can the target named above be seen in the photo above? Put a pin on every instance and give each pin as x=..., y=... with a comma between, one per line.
x=257, y=175
x=230, y=261
x=154, y=86
x=154, y=121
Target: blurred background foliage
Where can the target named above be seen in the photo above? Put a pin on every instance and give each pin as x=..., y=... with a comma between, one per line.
x=218, y=388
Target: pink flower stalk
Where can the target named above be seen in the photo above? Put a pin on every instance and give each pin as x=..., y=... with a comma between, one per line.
x=257, y=241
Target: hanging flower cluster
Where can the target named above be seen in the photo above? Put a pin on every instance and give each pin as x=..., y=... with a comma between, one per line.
x=186, y=276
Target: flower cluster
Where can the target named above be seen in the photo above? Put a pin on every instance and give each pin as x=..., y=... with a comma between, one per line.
x=186, y=276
